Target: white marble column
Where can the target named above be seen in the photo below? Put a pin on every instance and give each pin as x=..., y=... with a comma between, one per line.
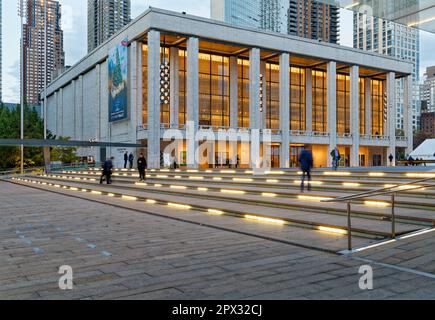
x=391, y=115
x=139, y=79
x=134, y=88
x=368, y=105
x=254, y=105
x=354, y=116
x=192, y=89
x=234, y=91
x=407, y=113
x=331, y=79
x=308, y=100
x=174, y=86
x=153, y=99
x=284, y=109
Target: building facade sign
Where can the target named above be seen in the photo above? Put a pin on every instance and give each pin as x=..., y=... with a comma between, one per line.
x=118, y=84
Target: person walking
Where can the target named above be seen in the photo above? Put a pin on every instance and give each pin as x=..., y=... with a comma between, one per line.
x=335, y=154
x=107, y=171
x=131, y=159
x=306, y=161
x=391, y=158
x=125, y=159
x=141, y=167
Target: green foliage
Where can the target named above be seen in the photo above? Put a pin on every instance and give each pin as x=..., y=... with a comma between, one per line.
x=63, y=154
x=10, y=129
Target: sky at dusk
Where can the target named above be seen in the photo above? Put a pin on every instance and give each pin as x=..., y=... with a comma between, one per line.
x=75, y=34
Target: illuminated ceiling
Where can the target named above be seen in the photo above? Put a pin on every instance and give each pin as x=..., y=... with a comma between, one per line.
x=413, y=13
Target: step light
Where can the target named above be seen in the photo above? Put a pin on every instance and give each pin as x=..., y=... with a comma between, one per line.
x=336, y=173
x=151, y=201
x=178, y=187
x=130, y=198
x=202, y=189
x=272, y=181
x=233, y=191
x=243, y=179
x=332, y=230
x=313, y=198
x=376, y=174
x=214, y=211
x=380, y=204
x=351, y=184
x=263, y=219
x=179, y=206
x=270, y=195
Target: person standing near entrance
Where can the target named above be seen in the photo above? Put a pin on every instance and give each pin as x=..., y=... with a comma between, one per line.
x=125, y=159
x=131, y=159
x=141, y=167
x=335, y=154
x=391, y=158
x=306, y=161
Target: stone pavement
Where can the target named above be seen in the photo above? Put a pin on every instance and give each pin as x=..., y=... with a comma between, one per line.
x=118, y=253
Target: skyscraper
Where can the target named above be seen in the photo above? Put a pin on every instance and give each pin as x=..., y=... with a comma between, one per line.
x=314, y=20
x=396, y=40
x=245, y=13
x=427, y=90
x=41, y=37
x=105, y=18
x=304, y=18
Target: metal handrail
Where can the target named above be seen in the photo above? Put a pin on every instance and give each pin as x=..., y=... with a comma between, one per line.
x=378, y=192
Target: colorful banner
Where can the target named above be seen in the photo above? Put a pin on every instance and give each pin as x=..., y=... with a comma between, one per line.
x=118, y=75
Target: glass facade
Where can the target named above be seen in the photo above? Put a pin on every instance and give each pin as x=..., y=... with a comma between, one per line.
x=343, y=104
x=297, y=99
x=272, y=96
x=144, y=84
x=214, y=90
x=164, y=108
x=182, y=86
x=378, y=87
x=243, y=93
x=362, y=108
x=320, y=111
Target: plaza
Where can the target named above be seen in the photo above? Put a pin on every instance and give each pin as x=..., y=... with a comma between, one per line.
x=300, y=93
x=216, y=234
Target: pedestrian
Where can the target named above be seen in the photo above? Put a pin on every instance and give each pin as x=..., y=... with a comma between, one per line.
x=131, y=159
x=237, y=161
x=141, y=167
x=335, y=154
x=107, y=171
x=391, y=158
x=125, y=159
x=306, y=161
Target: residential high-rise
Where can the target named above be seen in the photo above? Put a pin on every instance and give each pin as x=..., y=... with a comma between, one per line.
x=427, y=90
x=304, y=18
x=105, y=18
x=314, y=20
x=396, y=40
x=41, y=37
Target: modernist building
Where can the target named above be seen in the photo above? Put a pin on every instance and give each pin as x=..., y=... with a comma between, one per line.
x=244, y=13
x=105, y=18
x=427, y=91
x=428, y=123
x=42, y=36
x=396, y=40
x=304, y=18
x=291, y=92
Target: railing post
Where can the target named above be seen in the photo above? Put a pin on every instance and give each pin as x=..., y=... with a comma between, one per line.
x=393, y=217
x=349, y=228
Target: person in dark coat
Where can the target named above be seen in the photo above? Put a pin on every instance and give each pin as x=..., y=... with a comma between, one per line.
x=306, y=161
x=107, y=171
x=125, y=159
x=131, y=159
x=391, y=158
x=141, y=167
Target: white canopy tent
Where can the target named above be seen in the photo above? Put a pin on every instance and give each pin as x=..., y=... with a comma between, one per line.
x=425, y=151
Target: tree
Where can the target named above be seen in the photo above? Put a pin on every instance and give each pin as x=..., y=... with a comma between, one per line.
x=10, y=129
x=63, y=154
